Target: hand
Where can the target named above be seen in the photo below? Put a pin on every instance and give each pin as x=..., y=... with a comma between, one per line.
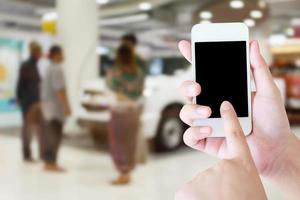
x=271, y=131
x=235, y=178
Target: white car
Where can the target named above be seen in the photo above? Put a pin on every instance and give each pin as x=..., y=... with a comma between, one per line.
x=160, y=119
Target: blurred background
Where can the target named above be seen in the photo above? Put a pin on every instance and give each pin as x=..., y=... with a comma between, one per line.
x=90, y=32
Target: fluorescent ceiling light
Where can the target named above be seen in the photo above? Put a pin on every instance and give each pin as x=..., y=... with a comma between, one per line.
x=206, y=15
x=256, y=14
x=102, y=2
x=205, y=22
x=51, y=16
x=145, y=6
x=43, y=11
x=102, y=50
x=124, y=20
x=237, y=4
x=249, y=22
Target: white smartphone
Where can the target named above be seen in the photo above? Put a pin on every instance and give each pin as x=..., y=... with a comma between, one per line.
x=220, y=54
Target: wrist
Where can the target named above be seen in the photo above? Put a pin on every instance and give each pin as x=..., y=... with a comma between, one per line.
x=285, y=170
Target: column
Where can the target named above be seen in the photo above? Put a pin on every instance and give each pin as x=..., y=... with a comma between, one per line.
x=78, y=34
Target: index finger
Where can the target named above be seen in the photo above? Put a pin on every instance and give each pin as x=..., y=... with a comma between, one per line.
x=235, y=137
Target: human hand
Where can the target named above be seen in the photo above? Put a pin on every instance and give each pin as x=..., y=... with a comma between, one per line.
x=226, y=180
x=271, y=133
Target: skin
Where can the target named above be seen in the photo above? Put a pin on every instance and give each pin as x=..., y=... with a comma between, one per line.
x=62, y=97
x=271, y=143
x=227, y=175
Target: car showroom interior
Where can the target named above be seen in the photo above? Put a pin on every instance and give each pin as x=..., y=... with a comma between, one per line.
x=90, y=100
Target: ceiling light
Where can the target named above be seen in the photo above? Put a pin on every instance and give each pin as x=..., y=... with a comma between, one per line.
x=256, y=14
x=102, y=50
x=51, y=16
x=205, y=22
x=124, y=20
x=206, y=15
x=249, y=22
x=237, y=4
x=43, y=11
x=102, y=1
x=145, y=6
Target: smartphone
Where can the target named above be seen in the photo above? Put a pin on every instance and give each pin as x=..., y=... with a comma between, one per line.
x=220, y=54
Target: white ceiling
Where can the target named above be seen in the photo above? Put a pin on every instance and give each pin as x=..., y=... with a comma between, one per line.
x=168, y=21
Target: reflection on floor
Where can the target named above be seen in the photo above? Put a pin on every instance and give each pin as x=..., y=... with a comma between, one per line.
x=90, y=171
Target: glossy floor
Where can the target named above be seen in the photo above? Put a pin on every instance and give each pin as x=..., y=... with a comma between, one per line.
x=90, y=171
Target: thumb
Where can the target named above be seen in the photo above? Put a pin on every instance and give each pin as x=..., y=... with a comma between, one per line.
x=262, y=76
x=235, y=138
x=186, y=49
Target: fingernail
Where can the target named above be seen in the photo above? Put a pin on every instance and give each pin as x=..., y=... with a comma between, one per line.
x=225, y=106
x=205, y=130
x=201, y=111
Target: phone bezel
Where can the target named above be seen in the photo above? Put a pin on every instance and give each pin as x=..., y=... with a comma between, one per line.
x=215, y=32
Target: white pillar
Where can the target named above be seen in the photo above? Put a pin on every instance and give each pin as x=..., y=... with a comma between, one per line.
x=78, y=35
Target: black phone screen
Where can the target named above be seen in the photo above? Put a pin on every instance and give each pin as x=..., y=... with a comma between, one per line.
x=221, y=70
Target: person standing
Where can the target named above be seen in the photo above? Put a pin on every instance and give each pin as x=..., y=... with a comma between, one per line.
x=28, y=97
x=126, y=80
x=131, y=41
x=55, y=108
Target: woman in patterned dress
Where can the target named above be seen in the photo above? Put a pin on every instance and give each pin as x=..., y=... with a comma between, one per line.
x=126, y=80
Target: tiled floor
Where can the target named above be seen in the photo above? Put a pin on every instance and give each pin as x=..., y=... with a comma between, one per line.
x=89, y=173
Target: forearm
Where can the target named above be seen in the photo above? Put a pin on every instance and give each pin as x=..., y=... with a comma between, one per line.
x=286, y=171
x=64, y=101
x=67, y=108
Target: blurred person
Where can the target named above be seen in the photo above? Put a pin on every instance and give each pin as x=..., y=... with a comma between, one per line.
x=131, y=41
x=273, y=146
x=126, y=80
x=55, y=107
x=28, y=97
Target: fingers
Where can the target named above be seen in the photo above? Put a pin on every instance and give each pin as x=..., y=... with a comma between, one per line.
x=262, y=76
x=235, y=138
x=186, y=49
x=194, y=136
x=191, y=112
x=190, y=89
